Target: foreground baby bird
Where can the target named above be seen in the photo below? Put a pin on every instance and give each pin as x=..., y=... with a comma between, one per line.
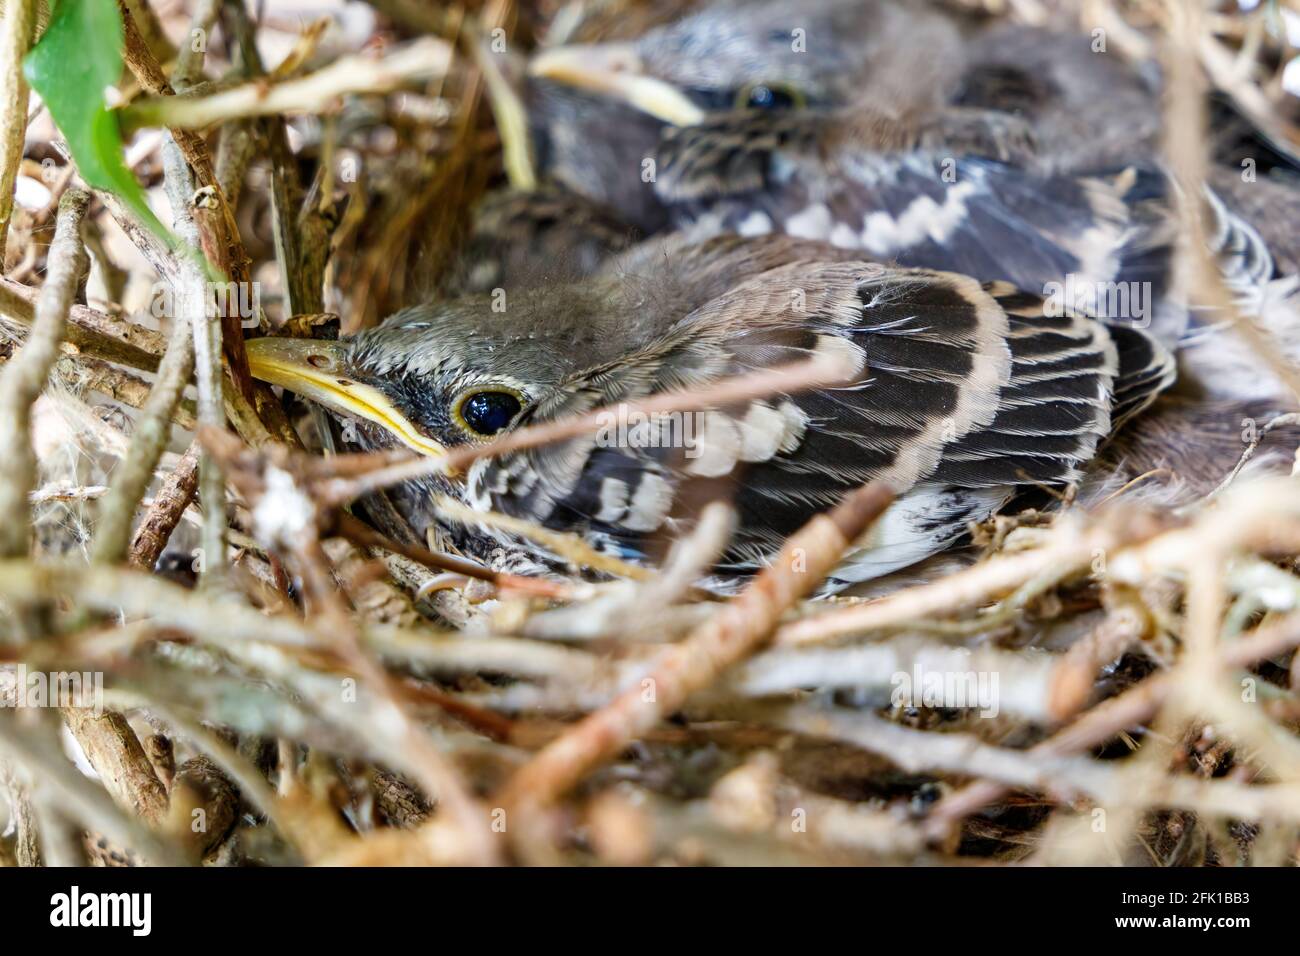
x=956, y=393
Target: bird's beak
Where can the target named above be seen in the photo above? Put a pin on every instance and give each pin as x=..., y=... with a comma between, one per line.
x=316, y=370
x=615, y=69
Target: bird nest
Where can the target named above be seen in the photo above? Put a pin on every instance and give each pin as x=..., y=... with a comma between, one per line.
x=277, y=682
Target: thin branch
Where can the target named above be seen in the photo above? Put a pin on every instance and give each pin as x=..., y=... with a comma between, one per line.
x=1023, y=685
x=1291, y=418
x=1130, y=709
x=189, y=60
x=508, y=110
x=1185, y=149
x=1069, y=549
x=644, y=612
x=115, y=752
x=377, y=470
x=303, y=831
x=452, y=654
x=193, y=298
x=918, y=751
x=173, y=497
x=362, y=534
x=23, y=378
x=27, y=845
x=287, y=521
x=17, y=31
x=218, y=238
x=93, y=332
x=82, y=372
x=314, y=93
x=735, y=632
x=80, y=797
x=136, y=593
x=149, y=440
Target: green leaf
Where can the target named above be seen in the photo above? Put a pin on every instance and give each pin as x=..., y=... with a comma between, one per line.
x=78, y=56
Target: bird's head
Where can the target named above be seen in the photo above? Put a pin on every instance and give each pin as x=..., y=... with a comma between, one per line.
x=599, y=112
x=437, y=376
x=757, y=55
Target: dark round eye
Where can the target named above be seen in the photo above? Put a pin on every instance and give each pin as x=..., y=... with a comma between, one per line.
x=768, y=96
x=486, y=413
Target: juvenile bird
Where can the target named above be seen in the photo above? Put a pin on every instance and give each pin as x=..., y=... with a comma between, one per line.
x=918, y=136
x=739, y=83
x=714, y=95
x=956, y=393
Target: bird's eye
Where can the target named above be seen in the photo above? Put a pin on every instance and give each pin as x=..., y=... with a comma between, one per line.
x=769, y=96
x=487, y=411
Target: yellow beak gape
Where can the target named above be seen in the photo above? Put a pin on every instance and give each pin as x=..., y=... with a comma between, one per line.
x=315, y=370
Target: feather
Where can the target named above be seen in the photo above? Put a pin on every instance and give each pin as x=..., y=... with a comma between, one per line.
x=965, y=392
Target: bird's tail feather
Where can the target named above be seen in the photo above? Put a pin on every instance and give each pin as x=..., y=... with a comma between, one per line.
x=1146, y=368
x=1218, y=360
x=1243, y=256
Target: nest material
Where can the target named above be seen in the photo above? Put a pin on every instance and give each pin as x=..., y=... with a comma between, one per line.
x=1126, y=669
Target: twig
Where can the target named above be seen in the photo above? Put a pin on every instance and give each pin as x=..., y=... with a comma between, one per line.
x=189, y=60
x=115, y=752
x=918, y=751
x=1252, y=446
x=193, y=298
x=641, y=610
x=1075, y=674
x=314, y=93
x=425, y=762
x=27, y=847
x=754, y=799
x=164, y=514
x=239, y=143
x=24, y=376
x=80, y=797
x=570, y=547
x=301, y=293
x=362, y=534
x=1023, y=681
x=136, y=593
x=159, y=252
x=90, y=331
x=17, y=30
x=144, y=66
x=508, y=109
x=252, y=785
x=1021, y=684
x=67, y=493
x=218, y=238
x=455, y=655
x=378, y=472
x=1248, y=97
x=82, y=372
x=145, y=20
x=1115, y=715
x=149, y=439
x=1185, y=133
x=690, y=559
x=736, y=631
x=287, y=521
x=1069, y=549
